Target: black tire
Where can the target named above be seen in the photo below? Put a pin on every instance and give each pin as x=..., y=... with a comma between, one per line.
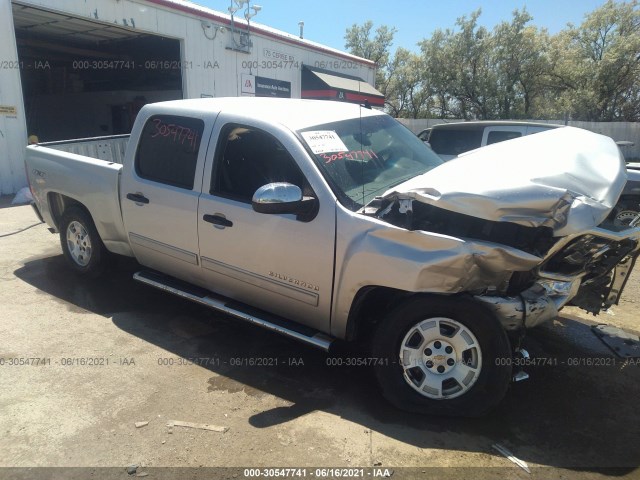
x=489, y=384
x=87, y=262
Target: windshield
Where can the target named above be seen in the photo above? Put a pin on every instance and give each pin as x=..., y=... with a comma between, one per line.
x=361, y=158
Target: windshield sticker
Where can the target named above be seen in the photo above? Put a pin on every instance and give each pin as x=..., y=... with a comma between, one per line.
x=323, y=141
x=350, y=155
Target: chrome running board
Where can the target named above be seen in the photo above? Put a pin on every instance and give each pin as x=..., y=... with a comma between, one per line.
x=235, y=309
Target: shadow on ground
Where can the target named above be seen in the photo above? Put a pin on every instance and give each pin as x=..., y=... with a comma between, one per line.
x=583, y=418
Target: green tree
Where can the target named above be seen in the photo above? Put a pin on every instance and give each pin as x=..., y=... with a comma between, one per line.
x=463, y=76
x=596, y=70
x=437, y=62
x=407, y=89
x=520, y=59
x=516, y=70
x=360, y=41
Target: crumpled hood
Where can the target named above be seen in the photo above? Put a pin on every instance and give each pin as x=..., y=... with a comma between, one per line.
x=567, y=179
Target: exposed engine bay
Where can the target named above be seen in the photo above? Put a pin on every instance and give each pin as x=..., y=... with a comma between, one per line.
x=545, y=195
x=407, y=213
x=593, y=268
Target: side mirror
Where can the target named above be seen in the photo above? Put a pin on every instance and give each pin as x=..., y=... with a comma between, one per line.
x=281, y=197
x=277, y=198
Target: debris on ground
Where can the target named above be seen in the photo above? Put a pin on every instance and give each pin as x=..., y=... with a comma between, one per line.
x=132, y=469
x=200, y=426
x=141, y=424
x=510, y=456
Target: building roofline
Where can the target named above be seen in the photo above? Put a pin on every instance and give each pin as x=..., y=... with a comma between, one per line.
x=204, y=12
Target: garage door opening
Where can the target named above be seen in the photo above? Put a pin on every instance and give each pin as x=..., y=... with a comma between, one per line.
x=84, y=78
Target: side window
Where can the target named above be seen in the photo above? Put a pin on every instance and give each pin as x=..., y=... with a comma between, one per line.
x=168, y=150
x=501, y=135
x=248, y=158
x=455, y=142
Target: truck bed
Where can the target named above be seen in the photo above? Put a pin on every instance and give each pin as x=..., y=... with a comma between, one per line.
x=86, y=171
x=110, y=149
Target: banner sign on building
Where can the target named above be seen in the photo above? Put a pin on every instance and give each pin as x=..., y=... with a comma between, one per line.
x=268, y=87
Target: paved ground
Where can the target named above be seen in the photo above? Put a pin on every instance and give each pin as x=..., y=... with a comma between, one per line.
x=158, y=358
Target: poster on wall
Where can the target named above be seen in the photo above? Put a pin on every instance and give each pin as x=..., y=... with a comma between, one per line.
x=8, y=110
x=247, y=84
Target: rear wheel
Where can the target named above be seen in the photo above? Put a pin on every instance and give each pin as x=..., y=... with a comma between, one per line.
x=81, y=243
x=442, y=356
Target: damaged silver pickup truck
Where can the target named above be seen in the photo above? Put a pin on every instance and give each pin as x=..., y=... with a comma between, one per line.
x=324, y=221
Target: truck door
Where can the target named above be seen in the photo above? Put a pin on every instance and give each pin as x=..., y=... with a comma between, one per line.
x=159, y=193
x=275, y=262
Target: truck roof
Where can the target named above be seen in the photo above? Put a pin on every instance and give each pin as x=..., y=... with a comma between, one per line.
x=293, y=113
x=492, y=123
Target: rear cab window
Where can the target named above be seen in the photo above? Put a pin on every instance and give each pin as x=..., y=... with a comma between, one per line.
x=168, y=150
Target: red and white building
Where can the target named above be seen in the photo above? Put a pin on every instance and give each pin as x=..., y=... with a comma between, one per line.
x=81, y=68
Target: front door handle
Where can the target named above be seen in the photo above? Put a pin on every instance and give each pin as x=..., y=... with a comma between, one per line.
x=218, y=220
x=137, y=197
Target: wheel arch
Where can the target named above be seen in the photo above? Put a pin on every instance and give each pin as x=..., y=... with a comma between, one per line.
x=59, y=203
x=369, y=306
x=373, y=302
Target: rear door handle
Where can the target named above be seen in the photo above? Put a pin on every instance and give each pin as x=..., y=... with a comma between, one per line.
x=137, y=197
x=218, y=220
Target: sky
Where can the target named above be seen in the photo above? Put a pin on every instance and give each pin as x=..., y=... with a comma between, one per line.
x=325, y=21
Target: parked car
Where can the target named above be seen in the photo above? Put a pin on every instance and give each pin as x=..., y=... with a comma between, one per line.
x=325, y=220
x=449, y=140
x=452, y=139
x=424, y=134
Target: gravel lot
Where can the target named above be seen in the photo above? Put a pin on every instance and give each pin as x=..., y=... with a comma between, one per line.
x=113, y=352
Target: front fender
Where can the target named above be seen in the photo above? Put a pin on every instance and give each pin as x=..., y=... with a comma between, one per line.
x=372, y=252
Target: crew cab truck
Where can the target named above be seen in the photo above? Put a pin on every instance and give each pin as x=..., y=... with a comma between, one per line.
x=324, y=220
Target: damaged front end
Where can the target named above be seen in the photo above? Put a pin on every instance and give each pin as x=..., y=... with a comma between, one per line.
x=589, y=271
x=546, y=203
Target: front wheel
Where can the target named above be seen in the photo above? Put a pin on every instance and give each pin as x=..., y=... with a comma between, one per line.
x=625, y=212
x=81, y=243
x=440, y=355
